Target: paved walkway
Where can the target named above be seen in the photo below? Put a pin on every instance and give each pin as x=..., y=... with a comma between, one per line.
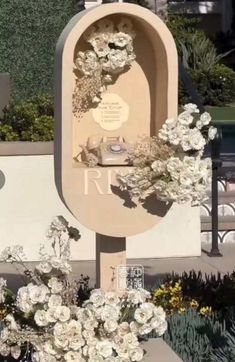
x=155, y=269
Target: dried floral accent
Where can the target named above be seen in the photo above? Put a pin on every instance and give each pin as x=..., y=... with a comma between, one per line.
x=172, y=166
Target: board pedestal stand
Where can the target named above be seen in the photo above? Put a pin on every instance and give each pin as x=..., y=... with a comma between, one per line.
x=146, y=95
x=110, y=253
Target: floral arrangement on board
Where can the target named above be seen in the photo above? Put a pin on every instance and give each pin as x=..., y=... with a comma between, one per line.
x=46, y=323
x=171, y=165
x=110, y=52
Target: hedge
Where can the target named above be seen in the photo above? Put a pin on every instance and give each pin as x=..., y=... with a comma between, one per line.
x=29, y=30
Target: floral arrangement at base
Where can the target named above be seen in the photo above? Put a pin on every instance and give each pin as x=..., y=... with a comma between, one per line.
x=171, y=166
x=110, y=52
x=46, y=322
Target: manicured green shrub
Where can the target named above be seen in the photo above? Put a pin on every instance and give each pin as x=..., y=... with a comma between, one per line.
x=7, y=133
x=40, y=130
x=30, y=120
x=29, y=30
x=216, y=86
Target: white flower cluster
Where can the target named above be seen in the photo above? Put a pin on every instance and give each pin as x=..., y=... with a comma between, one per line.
x=97, y=331
x=12, y=254
x=112, y=51
x=54, y=264
x=180, y=174
x=106, y=328
x=187, y=134
x=3, y=285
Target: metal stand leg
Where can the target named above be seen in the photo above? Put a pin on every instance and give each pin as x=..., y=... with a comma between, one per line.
x=216, y=163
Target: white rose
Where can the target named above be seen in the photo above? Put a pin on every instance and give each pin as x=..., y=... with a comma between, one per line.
x=38, y=293
x=112, y=298
x=190, y=107
x=50, y=315
x=123, y=328
x=196, y=140
x=174, y=138
x=40, y=318
x=42, y=357
x=4, y=349
x=110, y=311
x=145, y=329
x=121, y=39
x=54, y=301
x=15, y=351
x=76, y=343
x=185, y=118
x=97, y=297
x=90, y=324
x=136, y=354
x=62, y=313
x=104, y=348
x=159, y=313
x=212, y=133
x=134, y=327
x=110, y=325
x=137, y=296
x=56, y=262
x=55, y=285
x=12, y=325
x=144, y=313
x=130, y=340
x=3, y=283
x=205, y=118
x=161, y=328
x=65, y=267
x=22, y=301
x=49, y=348
x=44, y=268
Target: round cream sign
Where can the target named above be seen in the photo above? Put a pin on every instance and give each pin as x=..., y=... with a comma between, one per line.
x=111, y=112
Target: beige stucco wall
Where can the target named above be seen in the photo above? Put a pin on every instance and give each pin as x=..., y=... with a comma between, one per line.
x=29, y=201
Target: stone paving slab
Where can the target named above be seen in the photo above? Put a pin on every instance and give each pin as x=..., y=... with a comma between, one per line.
x=155, y=269
x=158, y=351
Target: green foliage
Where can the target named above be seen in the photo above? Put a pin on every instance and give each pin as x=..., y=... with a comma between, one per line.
x=30, y=120
x=216, y=86
x=40, y=130
x=143, y=3
x=7, y=133
x=225, y=353
x=29, y=31
x=200, y=54
x=215, y=82
x=182, y=28
x=217, y=292
x=194, y=337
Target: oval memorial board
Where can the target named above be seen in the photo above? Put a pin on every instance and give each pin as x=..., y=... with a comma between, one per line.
x=136, y=104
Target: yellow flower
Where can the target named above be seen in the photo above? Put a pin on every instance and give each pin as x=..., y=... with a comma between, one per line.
x=175, y=301
x=158, y=292
x=205, y=311
x=194, y=303
x=3, y=313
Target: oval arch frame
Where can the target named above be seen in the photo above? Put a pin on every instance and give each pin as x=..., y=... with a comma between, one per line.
x=166, y=88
